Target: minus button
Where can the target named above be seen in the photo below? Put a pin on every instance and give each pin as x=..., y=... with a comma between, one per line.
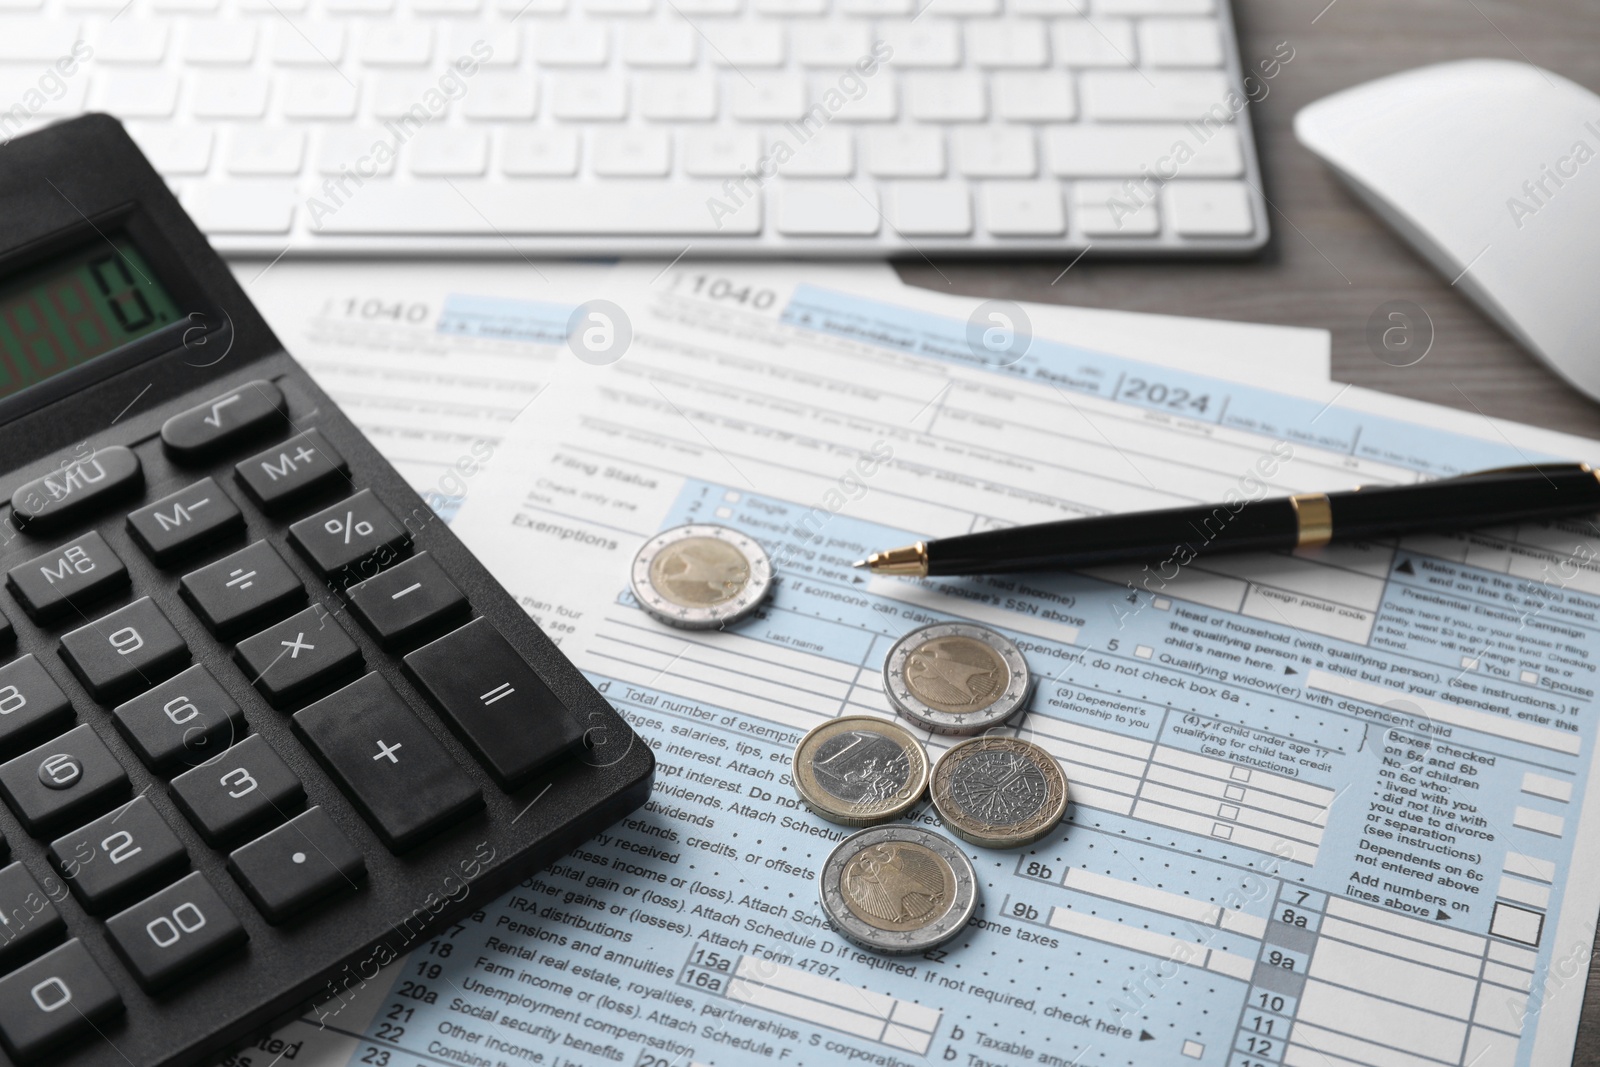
x=408, y=602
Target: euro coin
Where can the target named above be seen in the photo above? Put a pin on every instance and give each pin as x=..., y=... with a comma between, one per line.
x=701, y=577
x=898, y=889
x=859, y=770
x=999, y=792
x=956, y=677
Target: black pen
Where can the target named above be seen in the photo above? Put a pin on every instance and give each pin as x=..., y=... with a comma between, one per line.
x=1304, y=520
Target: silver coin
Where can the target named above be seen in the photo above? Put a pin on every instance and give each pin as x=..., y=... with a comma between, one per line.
x=956, y=677
x=898, y=889
x=857, y=770
x=701, y=577
x=999, y=792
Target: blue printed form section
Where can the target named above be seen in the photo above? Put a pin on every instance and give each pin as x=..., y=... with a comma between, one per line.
x=1322, y=805
x=505, y=319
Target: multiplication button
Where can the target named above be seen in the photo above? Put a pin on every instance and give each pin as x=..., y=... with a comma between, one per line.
x=300, y=654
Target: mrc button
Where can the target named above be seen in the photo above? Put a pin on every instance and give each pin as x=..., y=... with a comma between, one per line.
x=66, y=578
x=74, y=489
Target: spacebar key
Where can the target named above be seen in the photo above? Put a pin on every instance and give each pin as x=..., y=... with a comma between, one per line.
x=495, y=701
x=539, y=208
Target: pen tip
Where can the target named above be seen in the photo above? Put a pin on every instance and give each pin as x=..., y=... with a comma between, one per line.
x=859, y=563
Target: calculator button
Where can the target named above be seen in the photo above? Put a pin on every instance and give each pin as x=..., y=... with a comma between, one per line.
x=59, y=996
x=7, y=634
x=180, y=523
x=63, y=782
x=407, y=600
x=291, y=471
x=182, y=722
x=67, y=493
x=30, y=920
x=126, y=651
x=395, y=770
x=66, y=579
x=298, y=655
x=124, y=851
x=247, y=411
x=296, y=865
x=249, y=789
x=488, y=693
x=352, y=539
x=244, y=591
x=32, y=705
x=175, y=932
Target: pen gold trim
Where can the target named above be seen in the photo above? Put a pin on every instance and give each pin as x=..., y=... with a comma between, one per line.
x=1313, y=514
x=912, y=561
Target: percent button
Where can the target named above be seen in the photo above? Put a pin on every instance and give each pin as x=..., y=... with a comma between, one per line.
x=352, y=540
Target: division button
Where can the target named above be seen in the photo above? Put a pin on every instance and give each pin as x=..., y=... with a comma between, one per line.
x=183, y=522
x=63, y=781
x=66, y=579
x=395, y=770
x=120, y=854
x=244, y=591
x=489, y=694
x=296, y=865
x=291, y=471
x=249, y=789
x=352, y=539
x=248, y=411
x=57, y=997
x=182, y=722
x=70, y=492
x=126, y=651
x=28, y=919
x=406, y=601
x=32, y=705
x=299, y=655
x=175, y=933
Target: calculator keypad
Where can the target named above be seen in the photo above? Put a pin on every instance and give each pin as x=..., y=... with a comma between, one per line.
x=121, y=854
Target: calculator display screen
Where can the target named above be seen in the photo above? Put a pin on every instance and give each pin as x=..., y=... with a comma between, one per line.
x=68, y=310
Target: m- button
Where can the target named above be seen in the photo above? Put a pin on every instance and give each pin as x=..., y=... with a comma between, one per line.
x=292, y=470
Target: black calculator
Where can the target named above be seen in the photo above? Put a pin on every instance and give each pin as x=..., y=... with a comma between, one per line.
x=265, y=724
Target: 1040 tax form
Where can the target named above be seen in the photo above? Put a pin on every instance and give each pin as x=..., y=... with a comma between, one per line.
x=1326, y=807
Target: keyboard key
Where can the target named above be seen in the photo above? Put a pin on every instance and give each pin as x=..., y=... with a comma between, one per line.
x=819, y=208
x=1139, y=95
x=206, y=430
x=246, y=791
x=588, y=97
x=492, y=697
x=135, y=94
x=1091, y=151
x=1025, y=96
x=994, y=152
x=293, y=470
x=539, y=153
x=296, y=865
x=1010, y=42
x=631, y=153
x=28, y=918
x=241, y=207
x=443, y=151
x=244, y=591
x=1180, y=43
x=32, y=999
x=396, y=44
x=769, y=98
x=175, y=933
x=905, y=153
x=933, y=209
x=714, y=153
x=63, y=781
x=678, y=98
x=70, y=492
x=406, y=601
x=1154, y=7
x=32, y=705
x=351, y=539
x=947, y=97
x=174, y=149
x=217, y=42
x=265, y=150
x=660, y=45
x=230, y=94
x=1209, y=209
x=1098, y=43
x=126, y=651
x=182, y=722
x=501, y=95
x=1106, y=209
x=924, y=43
x=393, y=768
x=1023, y=209
x=122, y=853
x=65, y=580
x=303, y=653
x=181, y=523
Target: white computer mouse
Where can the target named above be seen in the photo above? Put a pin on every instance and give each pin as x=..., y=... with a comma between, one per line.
x=1491, y=169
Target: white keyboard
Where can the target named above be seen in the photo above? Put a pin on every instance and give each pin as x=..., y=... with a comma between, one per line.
x=743, y=127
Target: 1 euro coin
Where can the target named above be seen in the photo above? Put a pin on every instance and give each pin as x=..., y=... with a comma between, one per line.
x=859, y=770
x=999, y=792
x=898, y=889
x=701, y=577
x=956, y=677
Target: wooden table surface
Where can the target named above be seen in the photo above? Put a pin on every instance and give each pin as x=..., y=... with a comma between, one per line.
x=1331, y=263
